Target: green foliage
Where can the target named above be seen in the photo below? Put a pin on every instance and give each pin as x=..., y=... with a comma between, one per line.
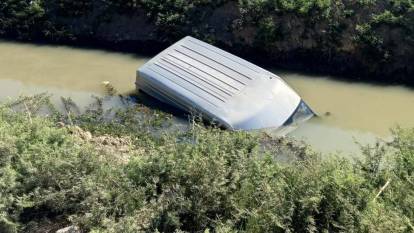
x=200, y=180
x=368, y=37
x=376, y=36
x=268, y=31
x=69, y=8
x=301, y=7
x=172, y=18
x=386, y=17
x=20, y=18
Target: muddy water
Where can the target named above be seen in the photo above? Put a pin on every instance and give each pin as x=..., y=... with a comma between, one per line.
x=348, y=112
x=351, y=112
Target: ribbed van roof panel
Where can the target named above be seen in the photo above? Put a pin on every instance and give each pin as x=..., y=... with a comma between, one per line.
x=192, y=74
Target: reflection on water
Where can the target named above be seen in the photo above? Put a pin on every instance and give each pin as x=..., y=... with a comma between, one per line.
x=348, y=111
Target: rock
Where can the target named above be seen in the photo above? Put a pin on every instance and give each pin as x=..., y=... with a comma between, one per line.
x=77, y=131
x=105, y=141
x=69, y=229
x=116, y=146
x=123, y=150
x=60, y=124
x=110, y=89
x=87, y=135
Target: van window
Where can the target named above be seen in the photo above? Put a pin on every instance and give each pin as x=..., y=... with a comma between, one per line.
x=301, y=114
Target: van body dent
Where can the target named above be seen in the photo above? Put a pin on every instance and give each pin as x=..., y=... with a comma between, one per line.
x=198, y=77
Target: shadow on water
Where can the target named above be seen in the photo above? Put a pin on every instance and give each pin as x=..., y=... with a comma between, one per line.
x=132, y=48
x=354, y=80
x=151, y=102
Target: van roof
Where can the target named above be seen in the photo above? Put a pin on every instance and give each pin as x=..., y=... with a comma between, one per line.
x=197, y=76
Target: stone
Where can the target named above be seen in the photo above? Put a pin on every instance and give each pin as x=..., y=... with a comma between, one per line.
x=60, y=124
x=69, y=229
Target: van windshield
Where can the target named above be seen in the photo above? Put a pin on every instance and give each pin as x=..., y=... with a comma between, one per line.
x=300, y=115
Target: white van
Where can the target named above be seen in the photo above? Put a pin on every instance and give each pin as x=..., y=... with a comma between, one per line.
x=195, y=76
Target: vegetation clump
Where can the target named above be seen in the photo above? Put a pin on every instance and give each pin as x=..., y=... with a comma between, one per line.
x=359, y=38
x=199, y=180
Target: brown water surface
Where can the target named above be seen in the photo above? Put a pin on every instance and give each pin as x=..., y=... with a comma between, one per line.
x=348, y=112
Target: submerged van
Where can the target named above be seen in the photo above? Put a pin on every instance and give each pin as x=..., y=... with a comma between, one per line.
x=198, y=77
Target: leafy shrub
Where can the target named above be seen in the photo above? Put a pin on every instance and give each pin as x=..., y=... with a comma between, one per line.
x=20, y=19
x=377, y=36
x=203, y=179
x=68, y=8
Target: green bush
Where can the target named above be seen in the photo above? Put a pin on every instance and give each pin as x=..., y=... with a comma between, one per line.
x=202, y=179
x=69, y=8
x=21, y=19
x=375, y=37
